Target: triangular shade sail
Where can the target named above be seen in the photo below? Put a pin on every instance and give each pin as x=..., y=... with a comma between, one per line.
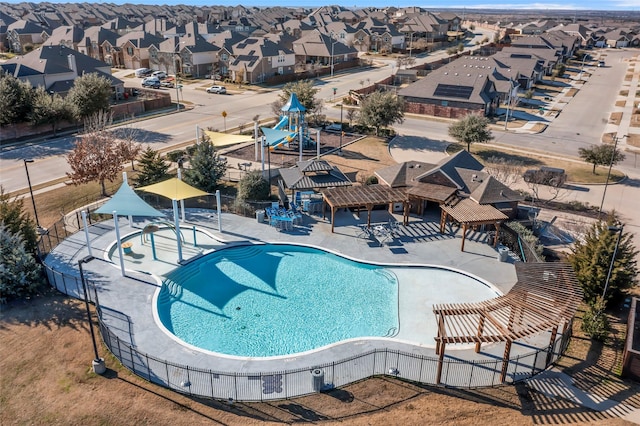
x=127, y=203
x=174, y=189
x=224, y=139
x=276, y=137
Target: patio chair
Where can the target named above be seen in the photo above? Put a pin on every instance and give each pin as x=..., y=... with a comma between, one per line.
x=364, y=232
x=394, y=227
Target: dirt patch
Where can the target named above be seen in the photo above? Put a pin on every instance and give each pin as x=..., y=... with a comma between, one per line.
x=615, y=118
x=628, y=77
x=572, y=92
x=46, y=354
x=624, y=93
x=621, y=103
x=635, y=120
x=538, y=127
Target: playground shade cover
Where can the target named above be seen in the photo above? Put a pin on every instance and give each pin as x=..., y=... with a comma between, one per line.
x=223, y=139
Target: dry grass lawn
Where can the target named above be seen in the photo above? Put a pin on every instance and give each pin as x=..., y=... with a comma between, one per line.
x=46, y=354
x=615, y=118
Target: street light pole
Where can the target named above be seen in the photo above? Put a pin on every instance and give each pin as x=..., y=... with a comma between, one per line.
x=332, y=44
x=33, y=200
x=617, y=229
x=341, y=131
x=606, y=183
x=98, y=363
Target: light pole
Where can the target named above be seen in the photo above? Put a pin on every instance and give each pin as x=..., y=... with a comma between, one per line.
x=512, y=89
x=33, y=200
x=617, y=229
x=606, y=183
x=98, y=363
x=341, y=132
x=332, y=44
x=411, y=43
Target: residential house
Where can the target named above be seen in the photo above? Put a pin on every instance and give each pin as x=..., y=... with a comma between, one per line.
x=189, y=55
x=425, y=28
x=121, y=26
x=535, y=27
x=617, y=38
x=23, y=35
x=453, y=91
x=317, y=49
x=547, y=58
x=68, y=35
x=454, y=21
x=576, y=30
x=225, y=42
x=258, y=58
x=134, y=49
x=94, y=39
x=5, y=20
x=56, y=67
x=383, y=37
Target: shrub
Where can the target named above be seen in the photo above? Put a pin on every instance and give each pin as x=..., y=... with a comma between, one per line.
x=253, y=186
x=371, y=180
x=595, y=323
x=19, y=272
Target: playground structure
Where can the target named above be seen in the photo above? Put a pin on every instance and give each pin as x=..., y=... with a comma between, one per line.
x=291, y=126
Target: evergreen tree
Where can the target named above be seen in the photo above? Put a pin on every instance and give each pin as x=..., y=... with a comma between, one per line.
x=381, y=109
x=15, y=99
x=471, y=129
x=591, y=258
x=253, y=187
x=49, y=109
x=19, y=272
x=16, y=221
x=153, y=168
x=207, y=168
x=89, y=95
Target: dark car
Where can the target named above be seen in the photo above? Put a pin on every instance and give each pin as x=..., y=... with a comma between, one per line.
x=551, y=176
x=152, y=82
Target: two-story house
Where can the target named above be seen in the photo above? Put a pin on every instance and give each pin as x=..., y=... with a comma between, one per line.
x=258, y=58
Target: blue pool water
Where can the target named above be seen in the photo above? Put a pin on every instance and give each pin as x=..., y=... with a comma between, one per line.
x=270, y=300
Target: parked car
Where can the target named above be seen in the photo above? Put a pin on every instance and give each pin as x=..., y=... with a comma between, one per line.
x=217, y=89
x=551, y=176
x=153, y=82
x=160, y=74
x=167, y=83
x=601, y=64
x=143, y=72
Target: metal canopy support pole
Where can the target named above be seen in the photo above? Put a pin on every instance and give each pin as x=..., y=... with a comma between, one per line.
x=118, y=242
x=181, y=201
x=177, y=225
x=255, y=138
x=318, y=144
x=218, y=206
x=86, y=232
x=300, y=130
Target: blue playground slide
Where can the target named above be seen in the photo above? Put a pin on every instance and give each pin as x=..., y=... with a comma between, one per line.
x=284, y=121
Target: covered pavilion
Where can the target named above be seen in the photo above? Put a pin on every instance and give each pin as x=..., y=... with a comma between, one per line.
x=469, y=213
x=366, y=196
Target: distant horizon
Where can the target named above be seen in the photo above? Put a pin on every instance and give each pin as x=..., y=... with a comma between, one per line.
x=516, y=5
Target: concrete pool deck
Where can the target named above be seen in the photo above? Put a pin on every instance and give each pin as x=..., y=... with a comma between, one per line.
x=127, y=302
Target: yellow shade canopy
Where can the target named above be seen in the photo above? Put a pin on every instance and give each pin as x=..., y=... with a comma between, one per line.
x=223, y=139
x=174, y=189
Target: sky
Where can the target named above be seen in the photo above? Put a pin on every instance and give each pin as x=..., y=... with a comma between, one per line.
x=614, y=5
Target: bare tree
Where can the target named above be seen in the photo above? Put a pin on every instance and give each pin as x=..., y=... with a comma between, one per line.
x=352, y=115
x=506, y=171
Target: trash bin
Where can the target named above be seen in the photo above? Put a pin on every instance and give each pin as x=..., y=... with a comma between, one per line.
x=260, y=216
x=317, y=375
x=503, y=254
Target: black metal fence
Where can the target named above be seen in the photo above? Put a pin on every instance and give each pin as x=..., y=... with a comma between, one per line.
x=283, y=384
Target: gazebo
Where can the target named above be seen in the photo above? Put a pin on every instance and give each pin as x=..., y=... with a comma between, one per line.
x=313, y=174
x=469, y=213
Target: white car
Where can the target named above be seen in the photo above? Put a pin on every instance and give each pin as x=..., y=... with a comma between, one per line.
x=161, y=75
x=217, y=89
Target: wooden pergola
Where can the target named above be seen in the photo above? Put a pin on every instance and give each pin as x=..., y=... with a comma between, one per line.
x=422, y=191
x=467, y=212
x=366, y=196
x=545, y=297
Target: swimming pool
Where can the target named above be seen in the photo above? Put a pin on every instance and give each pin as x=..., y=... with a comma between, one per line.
x=271, y=300
x=276, y=299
